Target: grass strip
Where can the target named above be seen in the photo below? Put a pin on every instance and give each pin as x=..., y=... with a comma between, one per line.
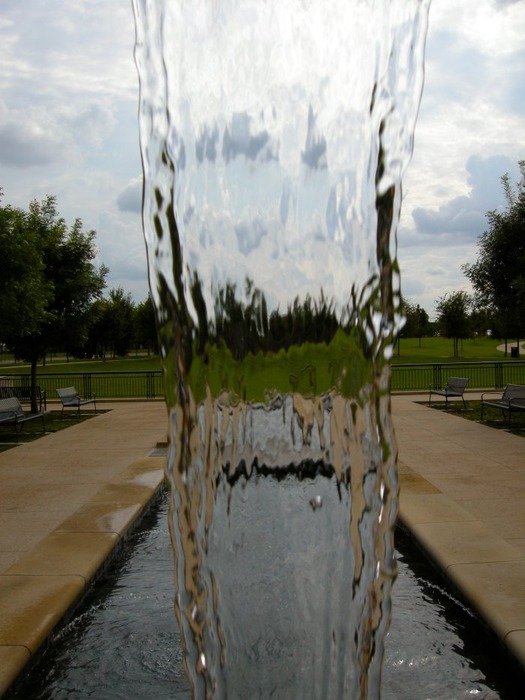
x=493, y=417
x=32, y=430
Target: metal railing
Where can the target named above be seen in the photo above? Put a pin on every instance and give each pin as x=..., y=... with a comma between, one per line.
x=481, y=375
x=104, y=385
x=149, y=385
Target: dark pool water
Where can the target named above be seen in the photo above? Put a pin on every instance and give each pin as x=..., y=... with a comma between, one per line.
x=124, y=644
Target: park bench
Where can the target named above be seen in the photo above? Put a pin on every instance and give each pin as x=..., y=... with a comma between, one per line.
x=23, y=394
x=70, y=399
x=454, y=389
x=512, y=399
x=12, y=413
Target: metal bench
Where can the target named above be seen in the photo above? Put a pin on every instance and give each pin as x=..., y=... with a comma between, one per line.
x=70, y=399
x=512, y=399
x=23, y=394
x=454, y=389
x=12, y=413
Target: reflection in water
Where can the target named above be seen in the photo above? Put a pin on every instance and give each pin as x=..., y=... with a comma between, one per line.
x=274, y=137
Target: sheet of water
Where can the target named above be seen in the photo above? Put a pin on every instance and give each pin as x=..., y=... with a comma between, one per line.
x=274, y=136
x=284, y=550
x=124, y=643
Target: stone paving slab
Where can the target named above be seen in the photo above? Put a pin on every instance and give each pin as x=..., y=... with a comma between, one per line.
x=497, y=589
x=67, y=500
x=31, y=607
x=462, y=498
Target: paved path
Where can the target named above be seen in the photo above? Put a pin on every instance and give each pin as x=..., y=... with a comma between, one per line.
x=67, y=500
x=509, y=346
x=462, y=495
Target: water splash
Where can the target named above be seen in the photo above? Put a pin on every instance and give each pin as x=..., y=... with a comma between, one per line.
x=274, y=137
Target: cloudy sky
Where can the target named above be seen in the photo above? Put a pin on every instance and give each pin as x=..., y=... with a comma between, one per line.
x=68, y=127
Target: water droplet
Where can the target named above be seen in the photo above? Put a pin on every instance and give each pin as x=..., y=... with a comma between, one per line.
x=316, y=502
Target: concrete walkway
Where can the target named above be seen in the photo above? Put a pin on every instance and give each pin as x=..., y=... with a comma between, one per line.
x=67, y=500
x=462, y=495
x=508, y=347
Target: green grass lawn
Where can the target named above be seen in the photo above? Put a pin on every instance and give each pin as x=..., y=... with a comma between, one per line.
x=411, y=350
x=435, y=350
x=60, y=364
x=492, y=417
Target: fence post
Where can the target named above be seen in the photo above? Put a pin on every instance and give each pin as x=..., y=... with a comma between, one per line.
x=498, y=375
x=436, y=376
x=87, y=385
x=150, y=385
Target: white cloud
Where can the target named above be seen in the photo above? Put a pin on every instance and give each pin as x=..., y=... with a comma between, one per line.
x=130, y=198
x=26, y=143
x=68, y=126
x=469, y=134
x=465, y=215
x=68, y=119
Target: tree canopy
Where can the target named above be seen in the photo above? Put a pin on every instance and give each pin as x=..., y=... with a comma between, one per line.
x=498, y=275
x=24, y=290
x=49, y=281
x=417, y=322
x=453, y=317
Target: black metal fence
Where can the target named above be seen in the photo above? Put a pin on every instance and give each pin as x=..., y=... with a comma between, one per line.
x=149, y=385
x=104, y=385
x=481, y=375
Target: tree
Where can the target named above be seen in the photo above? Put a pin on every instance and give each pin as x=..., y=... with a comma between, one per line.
x=24, y=292
x=498, y=275
x=417, y=323
x=145, y=325
x=421, y=323
x=120, y=311
x=453, y=317
x=481, y=321
x=61, y=280
x=99, y=334
x=113, y=327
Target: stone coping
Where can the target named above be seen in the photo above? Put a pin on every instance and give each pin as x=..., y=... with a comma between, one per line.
x=67, y=503
x=462, y=498
x=484, y=569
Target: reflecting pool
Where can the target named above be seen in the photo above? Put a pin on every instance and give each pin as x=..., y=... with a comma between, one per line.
x=124, y=642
